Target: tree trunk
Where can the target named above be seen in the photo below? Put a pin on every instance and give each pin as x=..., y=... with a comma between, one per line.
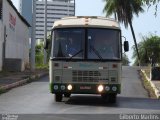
x=115, y=16
x=135, y=42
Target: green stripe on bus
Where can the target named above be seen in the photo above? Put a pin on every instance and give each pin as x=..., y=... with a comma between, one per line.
x=83, y=88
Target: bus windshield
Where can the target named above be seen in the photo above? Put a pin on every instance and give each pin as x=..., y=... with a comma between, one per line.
x=103, y=44
x=86, y=43
x=68, y=43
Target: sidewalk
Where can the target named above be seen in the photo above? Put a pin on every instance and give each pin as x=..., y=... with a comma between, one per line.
x=155, y=84
x=9, y=80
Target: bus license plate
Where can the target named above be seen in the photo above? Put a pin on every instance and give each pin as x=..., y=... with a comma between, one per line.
x=85, y=88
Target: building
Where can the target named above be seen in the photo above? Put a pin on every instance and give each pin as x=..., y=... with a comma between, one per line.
x=14, y=37
x=56, y=9
x=25, y=9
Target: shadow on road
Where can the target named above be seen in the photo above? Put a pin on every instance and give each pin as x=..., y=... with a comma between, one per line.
x=122, y=102
x=88, y=100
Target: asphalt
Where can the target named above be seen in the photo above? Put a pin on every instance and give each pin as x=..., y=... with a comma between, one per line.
x=9, y=80
x=35, y=98
x=34, y=102
x=131, y=83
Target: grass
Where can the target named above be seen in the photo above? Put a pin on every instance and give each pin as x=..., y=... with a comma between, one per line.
x=42, y=66
x=148, y=86
x=39, y=63
x=2, y=91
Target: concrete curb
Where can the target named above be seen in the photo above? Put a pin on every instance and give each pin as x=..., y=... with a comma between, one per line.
x=22, y=82
x=156, y=91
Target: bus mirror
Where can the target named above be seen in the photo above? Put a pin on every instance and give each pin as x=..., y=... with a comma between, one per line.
x=46, y=44
x=126, y=46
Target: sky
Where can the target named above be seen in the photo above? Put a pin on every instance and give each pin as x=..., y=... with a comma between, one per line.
x=143, y=25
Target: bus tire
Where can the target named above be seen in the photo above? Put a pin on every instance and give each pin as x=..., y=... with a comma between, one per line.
x=112, y=98
x=104, y=96
x=58, y=97
x=67, y=95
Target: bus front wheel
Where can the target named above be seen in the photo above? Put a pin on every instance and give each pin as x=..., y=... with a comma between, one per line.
x=110, y=98
x=67, y=95
x=58, y=97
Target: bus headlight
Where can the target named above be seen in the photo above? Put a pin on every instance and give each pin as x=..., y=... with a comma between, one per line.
x=69, y=87
x=114, y=88
x=107, y=88
x=100, y=88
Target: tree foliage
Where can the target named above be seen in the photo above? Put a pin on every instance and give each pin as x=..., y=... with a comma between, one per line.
x=125, y=60
x=124, y=10
x=149, y=3
x=39, y=49
x=49, y=47
x=147, y=46
x=39, y=54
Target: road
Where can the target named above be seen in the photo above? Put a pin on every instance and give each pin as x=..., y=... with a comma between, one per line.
x=35, y=98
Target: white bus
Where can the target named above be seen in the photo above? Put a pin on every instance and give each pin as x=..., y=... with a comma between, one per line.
x=86, y=57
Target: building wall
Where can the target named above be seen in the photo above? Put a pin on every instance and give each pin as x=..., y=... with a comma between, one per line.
x=17, y=40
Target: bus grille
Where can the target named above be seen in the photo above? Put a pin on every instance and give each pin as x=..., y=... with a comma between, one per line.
x=86, y=76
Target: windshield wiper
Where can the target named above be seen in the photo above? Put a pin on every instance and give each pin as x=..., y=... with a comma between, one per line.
x=76, y=54
x=96, y=52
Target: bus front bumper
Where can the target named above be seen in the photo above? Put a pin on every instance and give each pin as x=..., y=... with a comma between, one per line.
x=85, y=88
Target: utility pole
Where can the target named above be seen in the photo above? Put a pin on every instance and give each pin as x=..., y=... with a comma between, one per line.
x=33, y=40
x=68, y=7
x=45, y=31
x=74, y=7
x=115, y=17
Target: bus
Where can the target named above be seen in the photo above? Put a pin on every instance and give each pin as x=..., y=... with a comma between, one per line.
x=86, y=57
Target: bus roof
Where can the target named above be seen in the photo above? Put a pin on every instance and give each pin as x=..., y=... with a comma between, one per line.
x=86, y=21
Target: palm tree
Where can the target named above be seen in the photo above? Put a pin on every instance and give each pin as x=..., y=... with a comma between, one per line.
x=124, y=11
x=152, y=2
x=149, y=2
x=146, y=47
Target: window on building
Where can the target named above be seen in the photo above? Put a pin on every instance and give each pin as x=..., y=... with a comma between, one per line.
x=0, y=9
